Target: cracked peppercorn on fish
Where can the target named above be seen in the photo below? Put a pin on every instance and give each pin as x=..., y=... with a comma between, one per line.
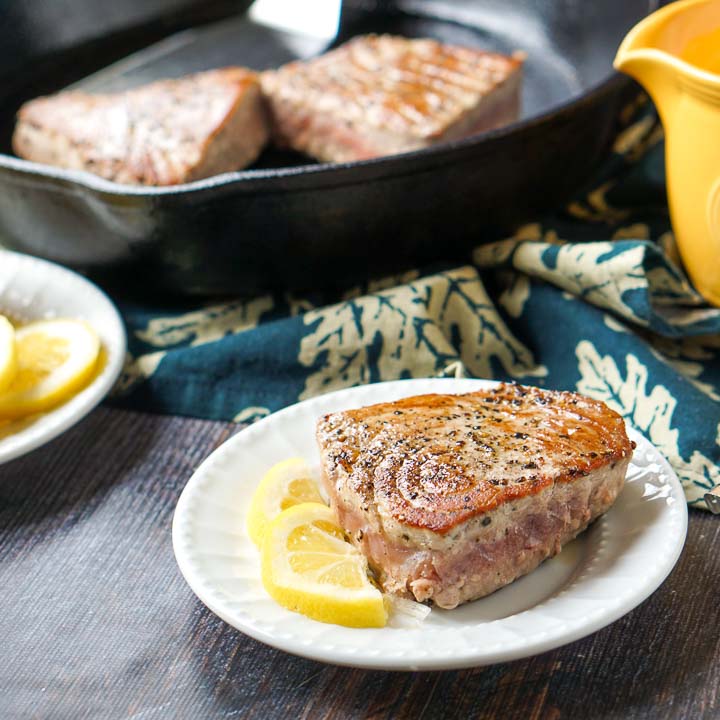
x=451, y=497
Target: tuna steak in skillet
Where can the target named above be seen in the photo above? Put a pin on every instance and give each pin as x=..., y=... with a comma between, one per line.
x=164, y=133
x=380, y=94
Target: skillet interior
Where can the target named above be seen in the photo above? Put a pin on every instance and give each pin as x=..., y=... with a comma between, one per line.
x=570, y=45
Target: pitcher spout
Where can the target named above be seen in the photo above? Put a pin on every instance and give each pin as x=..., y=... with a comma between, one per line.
x=680, y=42
x=654, y=68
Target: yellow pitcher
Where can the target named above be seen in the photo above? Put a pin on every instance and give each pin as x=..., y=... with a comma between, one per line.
x=675, y=54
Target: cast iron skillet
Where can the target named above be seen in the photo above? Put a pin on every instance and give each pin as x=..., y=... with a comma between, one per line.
x=288, y=222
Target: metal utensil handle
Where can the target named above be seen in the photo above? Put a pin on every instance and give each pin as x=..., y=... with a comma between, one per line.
x=712, y=499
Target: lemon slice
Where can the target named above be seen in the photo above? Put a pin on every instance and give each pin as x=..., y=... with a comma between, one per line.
x=55, y=359
x=8, y=355
x=308, y=566
x=286, y=484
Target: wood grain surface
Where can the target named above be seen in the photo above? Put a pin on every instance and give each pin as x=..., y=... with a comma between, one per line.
x=96, y=621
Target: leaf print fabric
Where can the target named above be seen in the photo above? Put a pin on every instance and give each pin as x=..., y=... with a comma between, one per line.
x=416, y=330
x=649, y=409
x=590, y=298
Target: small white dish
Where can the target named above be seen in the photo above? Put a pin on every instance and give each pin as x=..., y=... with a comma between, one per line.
x=33, y=289
x=596, y=579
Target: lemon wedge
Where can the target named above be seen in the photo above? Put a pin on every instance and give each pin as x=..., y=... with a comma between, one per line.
x=286, y=484
x=308, y=566
x=8, y=354
x=55, y=359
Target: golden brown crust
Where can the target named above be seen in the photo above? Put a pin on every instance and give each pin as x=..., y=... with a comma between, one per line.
x=434, y=461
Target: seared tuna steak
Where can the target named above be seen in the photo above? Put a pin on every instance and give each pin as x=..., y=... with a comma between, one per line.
x=164, y=133
x=451, y=497
x=380, y=95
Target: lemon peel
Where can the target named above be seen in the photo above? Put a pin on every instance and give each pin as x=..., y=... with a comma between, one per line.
x=8, y=353
x=307, y=566
x=55, y=359
x=285, y=484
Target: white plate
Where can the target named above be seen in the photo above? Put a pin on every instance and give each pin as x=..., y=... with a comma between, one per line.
x=33, y=289
x=596, y=579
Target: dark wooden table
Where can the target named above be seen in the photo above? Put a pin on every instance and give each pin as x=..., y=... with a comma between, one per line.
x=96, y=621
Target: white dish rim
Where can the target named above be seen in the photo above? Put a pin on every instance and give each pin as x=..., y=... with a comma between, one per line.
x=112, y=333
